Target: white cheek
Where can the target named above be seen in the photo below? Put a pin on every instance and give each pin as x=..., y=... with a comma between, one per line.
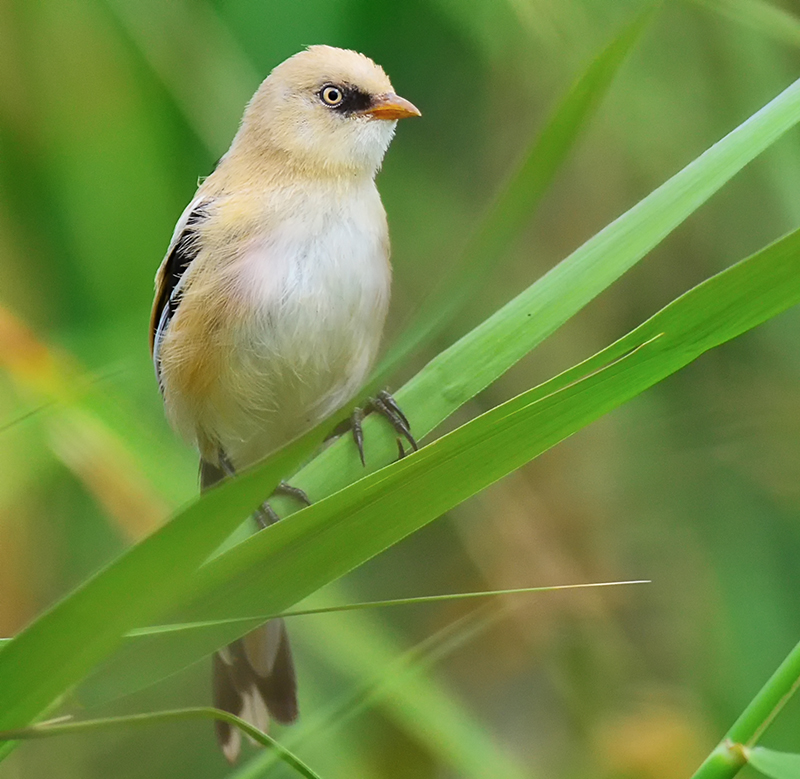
x=350, y=141
x=372, y=137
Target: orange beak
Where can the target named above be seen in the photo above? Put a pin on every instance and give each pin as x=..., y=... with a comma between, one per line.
x=391, y=106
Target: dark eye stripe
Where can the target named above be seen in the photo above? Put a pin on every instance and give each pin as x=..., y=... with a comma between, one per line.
x=353, y=99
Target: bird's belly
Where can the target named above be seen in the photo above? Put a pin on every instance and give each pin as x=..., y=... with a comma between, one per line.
x=315, y=321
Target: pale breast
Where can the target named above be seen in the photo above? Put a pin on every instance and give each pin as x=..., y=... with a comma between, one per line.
x=308, y=291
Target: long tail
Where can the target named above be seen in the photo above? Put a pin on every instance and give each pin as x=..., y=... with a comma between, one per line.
x=254, y=677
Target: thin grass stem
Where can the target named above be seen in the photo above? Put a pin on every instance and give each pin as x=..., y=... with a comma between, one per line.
x=731, y=753
x=59, y=727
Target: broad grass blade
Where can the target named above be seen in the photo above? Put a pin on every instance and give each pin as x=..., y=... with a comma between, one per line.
x=281, y=565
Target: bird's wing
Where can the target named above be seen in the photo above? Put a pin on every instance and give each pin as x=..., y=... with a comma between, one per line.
x=183, y=248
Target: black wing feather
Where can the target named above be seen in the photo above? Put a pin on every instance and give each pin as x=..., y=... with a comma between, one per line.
x=182, y=254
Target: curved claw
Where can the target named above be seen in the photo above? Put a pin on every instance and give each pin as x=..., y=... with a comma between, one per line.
x=391, y=403
x=401, y=452
x=358, y=433
x=266, y=515
x=293, y=492
x=387, y=407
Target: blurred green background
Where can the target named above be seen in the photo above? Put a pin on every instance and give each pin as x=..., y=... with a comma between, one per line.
x=109, y=112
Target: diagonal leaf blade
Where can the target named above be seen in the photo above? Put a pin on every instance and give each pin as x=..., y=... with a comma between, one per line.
x=277, y=567
x=506, y=437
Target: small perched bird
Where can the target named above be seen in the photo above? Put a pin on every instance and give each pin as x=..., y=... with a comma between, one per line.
x=271, y=300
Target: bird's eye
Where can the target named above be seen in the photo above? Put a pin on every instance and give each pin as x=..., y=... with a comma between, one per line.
x=331, y=95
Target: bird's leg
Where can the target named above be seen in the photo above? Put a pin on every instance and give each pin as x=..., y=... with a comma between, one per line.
x=265, y=515
x=385, y=405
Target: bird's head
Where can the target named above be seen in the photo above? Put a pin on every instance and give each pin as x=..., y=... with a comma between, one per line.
x=328, y=110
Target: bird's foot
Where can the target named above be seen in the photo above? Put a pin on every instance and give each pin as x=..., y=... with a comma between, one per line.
x=385, y=405
x=266, y=515
x=292, y=492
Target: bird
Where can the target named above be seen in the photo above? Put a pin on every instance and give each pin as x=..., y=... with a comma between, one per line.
x=270, y=305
